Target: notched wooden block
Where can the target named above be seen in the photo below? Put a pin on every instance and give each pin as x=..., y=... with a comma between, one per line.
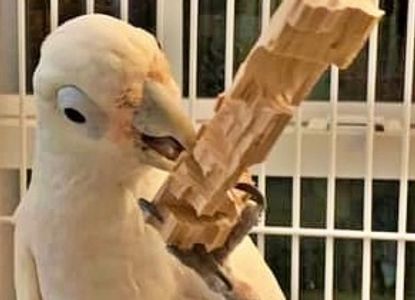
x=304, y=37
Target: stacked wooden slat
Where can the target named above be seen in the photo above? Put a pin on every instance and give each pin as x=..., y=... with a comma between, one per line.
x=303, y=39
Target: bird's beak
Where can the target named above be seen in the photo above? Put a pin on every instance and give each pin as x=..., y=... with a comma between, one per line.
x=163, y=124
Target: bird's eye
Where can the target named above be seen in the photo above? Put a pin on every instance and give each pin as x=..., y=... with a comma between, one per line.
x=74, y=115
x=78, y=109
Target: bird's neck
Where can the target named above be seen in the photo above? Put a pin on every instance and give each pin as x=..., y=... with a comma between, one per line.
x=84, y=200
x=68, y=176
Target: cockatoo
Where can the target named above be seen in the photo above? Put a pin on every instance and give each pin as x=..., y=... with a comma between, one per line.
x=109, y=121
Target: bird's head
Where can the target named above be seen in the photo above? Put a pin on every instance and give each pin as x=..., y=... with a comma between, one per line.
x=104, y=89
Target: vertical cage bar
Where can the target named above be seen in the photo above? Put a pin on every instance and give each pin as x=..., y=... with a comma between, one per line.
x=172, y=35
x=21, y=27
x=194, y=14
x=230, y=37
x=160, y=21
x=262, y=178
x=265, y=14
x=331, y=185
x=124, y=9
x=296, y=210
x=405, y=156
x=90, y=6
x=54, y=14
x=370, y=132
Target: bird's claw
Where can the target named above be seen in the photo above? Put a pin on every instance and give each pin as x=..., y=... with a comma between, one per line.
x=248, y=219
x=150, y=209
x=210, y=265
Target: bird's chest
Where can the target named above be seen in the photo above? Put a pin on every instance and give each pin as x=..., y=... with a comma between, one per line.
x=89, y=249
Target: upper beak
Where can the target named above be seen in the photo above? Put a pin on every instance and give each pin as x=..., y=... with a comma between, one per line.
x=163, y=123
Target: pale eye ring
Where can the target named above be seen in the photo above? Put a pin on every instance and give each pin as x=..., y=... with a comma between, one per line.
x=74, y=115
x=79, y=110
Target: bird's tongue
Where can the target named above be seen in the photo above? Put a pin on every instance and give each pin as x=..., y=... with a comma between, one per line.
x=165, y=146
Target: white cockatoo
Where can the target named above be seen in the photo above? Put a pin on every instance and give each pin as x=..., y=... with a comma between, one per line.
x=109, y=118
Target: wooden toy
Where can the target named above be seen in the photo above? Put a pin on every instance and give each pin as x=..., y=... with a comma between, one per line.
x=198, y=203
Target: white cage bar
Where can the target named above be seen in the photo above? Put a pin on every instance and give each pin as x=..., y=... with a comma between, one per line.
x=194, y=13
x=124, y=10
x=336, y=233
x=368, y=181
x=331, y=185
x=262, y=176
x=405, y=157
x=160, y=15
x=16, y=109
x=54, y=14
x=229, y=42
x=90, y=6
x=296, y=210
x=21, y=27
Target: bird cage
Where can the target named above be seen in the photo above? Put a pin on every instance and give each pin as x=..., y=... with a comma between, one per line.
x=339, y=183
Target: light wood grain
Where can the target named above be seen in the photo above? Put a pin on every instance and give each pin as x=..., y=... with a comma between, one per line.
x=304, y=37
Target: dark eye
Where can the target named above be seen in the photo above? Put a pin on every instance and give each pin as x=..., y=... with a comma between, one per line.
x=74, y=115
